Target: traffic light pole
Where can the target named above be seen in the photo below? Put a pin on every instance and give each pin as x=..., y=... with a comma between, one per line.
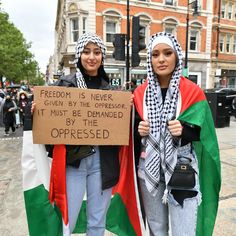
x=195, y=13
x=186, y=44
x=127, y=47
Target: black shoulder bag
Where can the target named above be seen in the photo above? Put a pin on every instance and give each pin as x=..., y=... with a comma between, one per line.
x=183, y=176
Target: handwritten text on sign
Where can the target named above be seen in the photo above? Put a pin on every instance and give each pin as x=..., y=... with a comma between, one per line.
x=81, y=116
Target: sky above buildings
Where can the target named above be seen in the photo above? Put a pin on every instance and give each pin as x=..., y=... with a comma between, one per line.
x=36, y=20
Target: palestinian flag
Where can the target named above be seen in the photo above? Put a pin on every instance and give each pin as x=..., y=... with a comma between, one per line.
x=44, y=218
x=194, y=109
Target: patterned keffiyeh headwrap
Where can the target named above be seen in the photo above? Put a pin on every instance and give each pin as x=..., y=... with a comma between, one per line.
x=161, y=149
x=82, y=42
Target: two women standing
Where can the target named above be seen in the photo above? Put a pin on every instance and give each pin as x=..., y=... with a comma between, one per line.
x=172, y=126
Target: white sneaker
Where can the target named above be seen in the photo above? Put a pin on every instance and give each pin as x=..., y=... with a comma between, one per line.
x=6, y=134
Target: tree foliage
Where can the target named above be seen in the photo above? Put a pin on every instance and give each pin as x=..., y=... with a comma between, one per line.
x=17, y=63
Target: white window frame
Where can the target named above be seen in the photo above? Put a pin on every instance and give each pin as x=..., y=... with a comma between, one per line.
x=111, y=33
x=84, y=24
x=196, y=41
x=234, y=11
x=82, y=18
x=230, y=11
x=234, y=44
x=228, y=43
x=145, y=22
x=195, y=27
x=169, y=2
x=223, y=8
x=171, y=24
x=199, y=77
x=73, y=31
x=111, y=16
x=146, y=31
x=222, y=43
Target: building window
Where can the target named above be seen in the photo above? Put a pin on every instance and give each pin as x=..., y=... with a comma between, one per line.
x=110, y=31
x=234, y=44
x=84, y=24
x=169, y=2
x=193, y=40
x=193, y=78
x=169, y=30
x=74, y=29
x=143, y=31
x=195, y=36
x=228, y=43
x=170, y=26
x=230, y=7
x=223, y=9
x=234, y=11
x=111, y=25
x=145, y=22
x=221, y=43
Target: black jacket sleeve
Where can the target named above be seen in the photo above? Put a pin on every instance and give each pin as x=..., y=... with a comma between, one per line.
x=190, y=133
x=137, y=138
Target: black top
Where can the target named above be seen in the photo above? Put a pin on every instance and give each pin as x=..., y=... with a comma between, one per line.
x=92, y=82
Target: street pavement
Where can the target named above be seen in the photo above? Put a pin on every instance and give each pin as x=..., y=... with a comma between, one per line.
x=12, y=212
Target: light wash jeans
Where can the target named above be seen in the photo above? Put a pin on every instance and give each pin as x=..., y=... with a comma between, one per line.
x=88, y=178
x=171, y=217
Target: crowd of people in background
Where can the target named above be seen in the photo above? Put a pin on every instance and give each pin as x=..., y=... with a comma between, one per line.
x=12, y=108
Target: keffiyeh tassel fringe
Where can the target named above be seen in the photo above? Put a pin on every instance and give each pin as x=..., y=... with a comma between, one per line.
x=165, y=196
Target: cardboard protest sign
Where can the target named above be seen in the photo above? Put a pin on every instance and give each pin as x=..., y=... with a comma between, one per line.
x=81, y=116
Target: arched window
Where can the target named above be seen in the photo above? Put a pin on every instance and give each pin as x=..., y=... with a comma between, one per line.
x=170, y=26
x=145, y=21
x=195, y=37
x=222, y=45
x=111, y=25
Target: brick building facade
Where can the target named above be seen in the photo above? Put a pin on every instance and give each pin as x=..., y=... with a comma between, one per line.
x=207, y=34
x=224, y=43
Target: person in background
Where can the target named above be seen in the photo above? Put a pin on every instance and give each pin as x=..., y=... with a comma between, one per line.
x=2, y=96
x=22, y=103
x=133, y=84
x=9, y=108
x=174, y=127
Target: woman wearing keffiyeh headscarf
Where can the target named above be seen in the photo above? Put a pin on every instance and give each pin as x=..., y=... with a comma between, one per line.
x=174, y=127
x=90, y=169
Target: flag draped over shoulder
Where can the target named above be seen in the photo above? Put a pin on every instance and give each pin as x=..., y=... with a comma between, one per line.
x=194, y=109
x=45, y=219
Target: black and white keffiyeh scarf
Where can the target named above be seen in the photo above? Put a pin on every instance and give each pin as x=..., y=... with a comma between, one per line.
x=82, y=42
x=161, y=149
